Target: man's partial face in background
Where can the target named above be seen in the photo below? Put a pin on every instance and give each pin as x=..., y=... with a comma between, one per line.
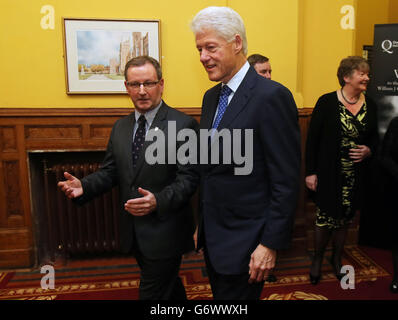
x=263, y=69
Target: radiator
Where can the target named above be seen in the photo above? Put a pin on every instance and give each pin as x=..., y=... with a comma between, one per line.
x=75, y=230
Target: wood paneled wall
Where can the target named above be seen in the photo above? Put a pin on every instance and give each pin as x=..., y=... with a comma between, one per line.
x=25, y=130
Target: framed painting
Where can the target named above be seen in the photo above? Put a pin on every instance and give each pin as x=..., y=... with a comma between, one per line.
x=97, y=50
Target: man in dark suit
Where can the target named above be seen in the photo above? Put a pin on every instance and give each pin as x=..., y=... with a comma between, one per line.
x=156, y=222
x=245, y=218
x=261, y=64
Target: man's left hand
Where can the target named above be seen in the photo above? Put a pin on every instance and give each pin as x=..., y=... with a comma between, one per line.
x=261, y=262
x=141, y=206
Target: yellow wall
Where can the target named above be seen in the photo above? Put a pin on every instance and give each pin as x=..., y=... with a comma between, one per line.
x=303, y=39
x=325, y=43
x=32, y=64
x=369, y=13
x=273, y=30
x=393, y=11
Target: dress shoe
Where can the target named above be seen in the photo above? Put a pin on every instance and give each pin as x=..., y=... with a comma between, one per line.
x=315, y=279
x=394, y=286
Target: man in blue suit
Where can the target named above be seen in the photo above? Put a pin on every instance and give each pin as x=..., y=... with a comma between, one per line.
x=244, y=218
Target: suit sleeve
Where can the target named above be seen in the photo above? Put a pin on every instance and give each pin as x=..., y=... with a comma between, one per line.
x=280, y=136
x=314, y=139
x=180, y=191
x=386, y=159
x=102, y=180
x=374, y=135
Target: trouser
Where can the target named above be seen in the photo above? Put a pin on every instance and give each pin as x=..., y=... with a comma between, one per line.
x=159, y=278
x=232, y=287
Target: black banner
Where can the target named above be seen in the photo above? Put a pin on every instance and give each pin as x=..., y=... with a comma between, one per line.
x=383, y=87
x=375, y=224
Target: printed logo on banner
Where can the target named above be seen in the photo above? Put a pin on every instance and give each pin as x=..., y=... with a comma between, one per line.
x=383, y=86
x=387, y=46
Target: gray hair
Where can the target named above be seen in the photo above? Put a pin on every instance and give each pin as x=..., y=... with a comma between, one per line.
x=223, y=20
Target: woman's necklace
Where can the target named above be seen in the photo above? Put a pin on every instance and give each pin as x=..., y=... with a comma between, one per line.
x=342, y=94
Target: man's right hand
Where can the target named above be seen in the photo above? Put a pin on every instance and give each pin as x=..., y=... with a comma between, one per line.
x=72, y=187
x=311, y=182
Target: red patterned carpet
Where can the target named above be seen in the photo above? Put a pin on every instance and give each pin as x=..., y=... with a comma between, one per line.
x=117, y=278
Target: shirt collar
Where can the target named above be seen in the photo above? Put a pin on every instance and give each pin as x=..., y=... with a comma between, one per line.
x=236, y=80
x=150, y=115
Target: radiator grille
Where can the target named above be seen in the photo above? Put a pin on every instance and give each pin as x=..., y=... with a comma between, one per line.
x=75, y=230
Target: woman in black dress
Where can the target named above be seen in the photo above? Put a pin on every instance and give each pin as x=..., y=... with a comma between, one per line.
x=342, y=136
x=389, y=161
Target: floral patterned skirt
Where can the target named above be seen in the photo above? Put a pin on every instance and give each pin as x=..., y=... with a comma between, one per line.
x=348, y=196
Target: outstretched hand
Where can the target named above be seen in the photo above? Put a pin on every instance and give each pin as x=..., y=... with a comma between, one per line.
x=141, y=206
x=72, y=186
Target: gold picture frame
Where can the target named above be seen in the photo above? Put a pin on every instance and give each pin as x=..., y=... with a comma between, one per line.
x=96, y=51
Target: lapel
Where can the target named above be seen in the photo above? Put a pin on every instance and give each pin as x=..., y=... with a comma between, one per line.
x=129, y=150
x=236, y=105
x=240, y=99
x=210, y=106
x=160, y=122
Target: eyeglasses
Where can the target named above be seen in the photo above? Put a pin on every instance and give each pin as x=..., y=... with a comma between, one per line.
x=137, y=85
